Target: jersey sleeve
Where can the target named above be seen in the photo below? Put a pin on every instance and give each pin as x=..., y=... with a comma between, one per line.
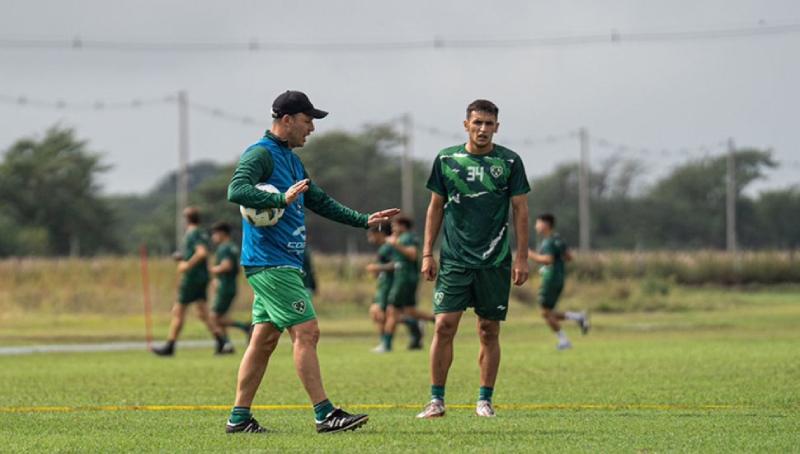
x=436, y=179
x=255, y=165
x=518, y=182
x=326, y=206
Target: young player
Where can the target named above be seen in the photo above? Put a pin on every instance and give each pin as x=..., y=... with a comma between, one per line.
x=552, y=254
x=471, y=187
x=383, y=270
x=273, y=261
x=192, y=266
x=403, y=293
x=225, y=271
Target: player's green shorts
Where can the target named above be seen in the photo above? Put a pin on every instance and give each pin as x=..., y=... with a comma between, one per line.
x=382, y=298
x=403, y=294
x=549, y=292
x=191, y=290
x=223, y=300
x=281, y=298
x=485, y=289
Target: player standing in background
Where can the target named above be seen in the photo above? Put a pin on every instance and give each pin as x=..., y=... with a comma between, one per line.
x=471, y=187
x=552, y=254
x=225, y=270
x=273, y=261
x=193, y=268
x=403, y=294
x=383, y=270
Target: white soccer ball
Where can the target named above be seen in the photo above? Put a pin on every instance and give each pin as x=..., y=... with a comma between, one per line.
x=262, y=217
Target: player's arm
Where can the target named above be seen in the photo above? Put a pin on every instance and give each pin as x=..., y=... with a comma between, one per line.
x=326, y=206
x=378, y=267
x=256, y=165
x=520, y=270
x=542, y=259
x=433, y=223
x=408, y=251
x=568, y=255
x=200, y=254
x=226, y=266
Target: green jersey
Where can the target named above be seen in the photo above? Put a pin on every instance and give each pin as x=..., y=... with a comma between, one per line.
x=477, y=191
x=406, y=270
x=191, y=241
x=553, y=245
x=385, y=278
x=227, y=280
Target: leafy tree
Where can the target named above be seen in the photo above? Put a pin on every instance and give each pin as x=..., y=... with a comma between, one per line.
x=51, y=184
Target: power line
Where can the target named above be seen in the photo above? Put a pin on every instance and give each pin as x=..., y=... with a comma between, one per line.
x=60, y=104
x=437, y=42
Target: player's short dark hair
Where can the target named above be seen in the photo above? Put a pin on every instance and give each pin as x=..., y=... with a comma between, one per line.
x=548, y=219
x=222, y=227
x=482, y=105
x=383, y=227
x=405, y=221
x=192, y=215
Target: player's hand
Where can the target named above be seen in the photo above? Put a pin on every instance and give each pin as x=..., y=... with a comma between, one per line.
x=429, y=267
x=183, y=266
x=295, y=190
x=379, y=217
x=520, y=270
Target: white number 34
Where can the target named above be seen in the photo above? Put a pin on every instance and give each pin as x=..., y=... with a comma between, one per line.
x=474, y=173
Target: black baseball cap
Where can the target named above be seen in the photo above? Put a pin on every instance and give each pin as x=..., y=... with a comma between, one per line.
x=293, y=102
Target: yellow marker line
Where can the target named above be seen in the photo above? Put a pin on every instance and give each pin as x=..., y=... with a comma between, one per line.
x=532, y=407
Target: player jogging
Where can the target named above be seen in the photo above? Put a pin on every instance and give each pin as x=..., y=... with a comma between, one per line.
x=193, y=267
x=225, y=271
x=552, y=254
x=273, y=261
x=383, y=270
x=403, y=293
x=471, y=187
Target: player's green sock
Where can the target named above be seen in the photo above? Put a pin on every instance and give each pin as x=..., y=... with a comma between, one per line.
x=387, y=341
x=322, y=409
x=240, y=415
x=485, y=393
x=437, y=392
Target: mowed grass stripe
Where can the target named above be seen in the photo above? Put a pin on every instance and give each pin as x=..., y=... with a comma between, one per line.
x=285, y=407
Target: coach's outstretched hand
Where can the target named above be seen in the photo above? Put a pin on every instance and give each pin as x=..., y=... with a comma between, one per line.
x=295, y=190
x=379, y=217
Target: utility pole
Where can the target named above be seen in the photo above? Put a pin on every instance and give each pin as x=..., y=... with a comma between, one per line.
x=407, y=170
x=182, y=180
x=583, y=191
x=730, y=205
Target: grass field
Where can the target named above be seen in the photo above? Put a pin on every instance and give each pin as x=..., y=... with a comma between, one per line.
x=722, y=380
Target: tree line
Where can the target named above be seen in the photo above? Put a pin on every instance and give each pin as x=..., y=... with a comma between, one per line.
x=51, y=203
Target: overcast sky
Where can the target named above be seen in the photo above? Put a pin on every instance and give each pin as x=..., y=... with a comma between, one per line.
x=654, y=95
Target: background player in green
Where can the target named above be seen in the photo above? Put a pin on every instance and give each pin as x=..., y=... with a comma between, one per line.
x=383, y=270
x=225, y=270
x=193, y=267
x=402, y=295
x=471, y=187
x=273, y=261
x=552, y=254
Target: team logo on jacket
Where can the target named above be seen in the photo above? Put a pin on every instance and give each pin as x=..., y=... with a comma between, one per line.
x=299, y=306
x=496, y=171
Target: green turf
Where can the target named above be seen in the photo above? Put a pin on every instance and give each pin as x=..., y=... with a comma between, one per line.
x=700, y=381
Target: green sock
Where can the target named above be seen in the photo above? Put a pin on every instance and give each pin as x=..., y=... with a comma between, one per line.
x=437, y=392
x=240, y=415
x=485, y=393
x=322, y=409
x=387, y=341
x=242, y=326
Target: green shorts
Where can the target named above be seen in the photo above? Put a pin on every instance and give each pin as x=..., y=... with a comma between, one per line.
x=223, y=301
x=403, y=294
x=485, y=289
x=281, y=298
x=190, y=291
x=549, y=292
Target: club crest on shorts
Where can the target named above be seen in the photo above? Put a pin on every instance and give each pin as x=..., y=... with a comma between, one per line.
x=299, y=306
x=496, y=171
x=438, y=297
